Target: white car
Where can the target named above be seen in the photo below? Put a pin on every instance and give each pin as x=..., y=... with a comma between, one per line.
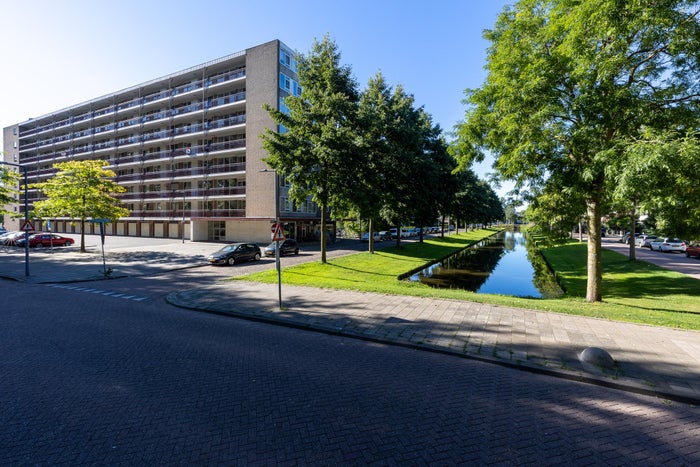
x=645, y=240
x=375, y=235
x=667, y=244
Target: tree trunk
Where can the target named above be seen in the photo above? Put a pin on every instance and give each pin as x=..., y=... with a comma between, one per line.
x=323, y=233
x=371, y=236
x=633, y=217
x=82, y=235
x=594, y=263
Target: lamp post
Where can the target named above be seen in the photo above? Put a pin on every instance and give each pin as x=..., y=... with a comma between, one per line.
x=26, y=217
x=277, y=242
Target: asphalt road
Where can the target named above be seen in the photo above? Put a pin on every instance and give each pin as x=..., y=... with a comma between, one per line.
x=87, y=378
x=674, y=261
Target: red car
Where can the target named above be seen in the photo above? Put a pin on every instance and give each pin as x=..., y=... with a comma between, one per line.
x=46, y=240
x=693, y=250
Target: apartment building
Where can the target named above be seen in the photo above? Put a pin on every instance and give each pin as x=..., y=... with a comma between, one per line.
x=185, y=146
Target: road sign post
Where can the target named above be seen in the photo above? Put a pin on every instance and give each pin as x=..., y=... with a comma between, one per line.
x=277, y=237
x=102, y=223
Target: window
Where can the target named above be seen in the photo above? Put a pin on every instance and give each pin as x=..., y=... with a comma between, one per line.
x=216, y=230
x=287, y=59
x=285, y=82
x=283, y=107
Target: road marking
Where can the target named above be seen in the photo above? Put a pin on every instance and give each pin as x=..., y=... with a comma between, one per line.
x=107, y=293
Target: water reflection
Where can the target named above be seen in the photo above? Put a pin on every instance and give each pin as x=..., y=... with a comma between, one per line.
x=502, y=264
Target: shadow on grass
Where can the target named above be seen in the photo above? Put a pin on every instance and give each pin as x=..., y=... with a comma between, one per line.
x=435, y=248
x=622, y=279
x=361, y=271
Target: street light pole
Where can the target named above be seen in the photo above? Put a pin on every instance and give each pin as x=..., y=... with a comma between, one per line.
x=26, y=216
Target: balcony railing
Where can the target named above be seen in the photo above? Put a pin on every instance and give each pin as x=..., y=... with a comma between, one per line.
x=218, y=213
x=214, y=80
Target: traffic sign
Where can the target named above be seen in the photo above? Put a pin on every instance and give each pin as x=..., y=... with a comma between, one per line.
x=273, y=227
x=278, y=234
x=27, y=226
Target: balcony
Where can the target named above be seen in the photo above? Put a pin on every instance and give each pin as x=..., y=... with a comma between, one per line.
x=225, y=77
x=218, y=213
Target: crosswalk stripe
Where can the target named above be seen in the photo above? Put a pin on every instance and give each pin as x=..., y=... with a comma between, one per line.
x=107, y=293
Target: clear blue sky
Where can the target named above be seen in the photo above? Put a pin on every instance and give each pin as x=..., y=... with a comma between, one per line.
x=60, y=53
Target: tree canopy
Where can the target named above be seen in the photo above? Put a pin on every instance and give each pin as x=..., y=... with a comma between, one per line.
x=316, y=147
x=80, y=190
x=8, y=188
x=568, y=81
x=371, y=154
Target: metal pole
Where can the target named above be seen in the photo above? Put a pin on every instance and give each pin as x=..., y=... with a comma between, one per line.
x=26, y=223
x=277, y=243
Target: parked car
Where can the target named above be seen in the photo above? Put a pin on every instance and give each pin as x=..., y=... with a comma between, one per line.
x=667, y=244
x=6, y=235
x=385, y=235
x=12, y=237
x=235, y=253
x=644, y=240
x=45, y=240
x=693, y=250
x=287, y=247
x=394, y=232
x=627, y=240
x=375, y=235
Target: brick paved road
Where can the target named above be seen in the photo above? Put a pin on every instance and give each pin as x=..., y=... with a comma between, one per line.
x=93, y=379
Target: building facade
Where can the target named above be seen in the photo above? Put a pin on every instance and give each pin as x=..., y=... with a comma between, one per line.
x=186, y=147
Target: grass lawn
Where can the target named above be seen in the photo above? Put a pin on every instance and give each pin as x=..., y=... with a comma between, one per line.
x=632, y=291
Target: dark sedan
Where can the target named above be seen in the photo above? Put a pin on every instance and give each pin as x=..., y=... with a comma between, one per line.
x=287, y=247
x=235, y=253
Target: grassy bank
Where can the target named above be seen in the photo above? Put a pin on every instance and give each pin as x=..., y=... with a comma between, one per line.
x=632, y=291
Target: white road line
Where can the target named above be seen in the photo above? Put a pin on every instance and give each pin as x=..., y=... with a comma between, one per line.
x=107, y=293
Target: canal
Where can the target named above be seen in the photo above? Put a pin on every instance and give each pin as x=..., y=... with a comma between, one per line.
x=502, y=264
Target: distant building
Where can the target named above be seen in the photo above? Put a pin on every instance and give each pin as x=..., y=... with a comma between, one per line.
x=186, y=147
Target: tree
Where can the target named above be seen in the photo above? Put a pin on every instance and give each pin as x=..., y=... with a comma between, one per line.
x=9, y=179
x=316, y=152
x=568, y=81
x=660, y=173
x=405, y=160
x=373, y=174
x=80, y=190
x=431, y=170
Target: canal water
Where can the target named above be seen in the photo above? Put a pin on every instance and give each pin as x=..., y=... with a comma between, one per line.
x=502, y=264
